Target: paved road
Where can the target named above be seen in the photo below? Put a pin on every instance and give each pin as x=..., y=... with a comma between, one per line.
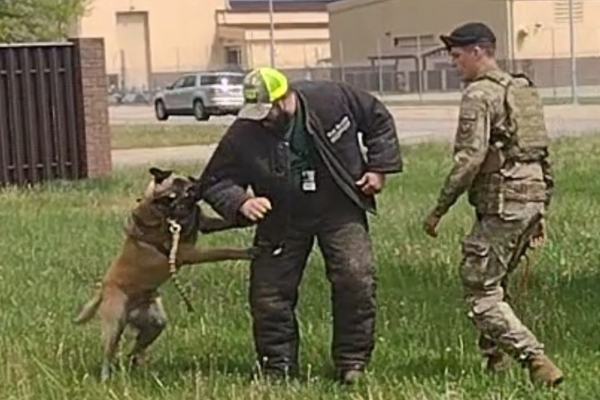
x=414, y=124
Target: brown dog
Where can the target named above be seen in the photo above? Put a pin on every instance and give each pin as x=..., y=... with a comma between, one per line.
x=129, y=290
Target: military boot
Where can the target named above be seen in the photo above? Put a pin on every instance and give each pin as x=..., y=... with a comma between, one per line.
x=542, y=371
x=498, y=362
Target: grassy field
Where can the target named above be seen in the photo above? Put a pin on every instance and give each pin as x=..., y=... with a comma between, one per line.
x=131, y=136
x=58, y=240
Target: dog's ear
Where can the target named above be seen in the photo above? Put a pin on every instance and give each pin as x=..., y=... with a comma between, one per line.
x=159, y=174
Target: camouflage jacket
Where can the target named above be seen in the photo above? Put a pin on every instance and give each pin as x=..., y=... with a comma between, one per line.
x=482, y=112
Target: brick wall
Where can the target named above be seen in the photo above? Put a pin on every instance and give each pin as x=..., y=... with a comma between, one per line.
x=90, y=61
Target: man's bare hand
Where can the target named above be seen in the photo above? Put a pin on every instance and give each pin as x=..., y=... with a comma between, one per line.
x=539, y=235
x=255, y=208
x=371, y=183
x=430, y=224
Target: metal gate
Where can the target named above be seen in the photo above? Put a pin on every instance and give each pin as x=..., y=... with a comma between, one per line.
x=42, y=132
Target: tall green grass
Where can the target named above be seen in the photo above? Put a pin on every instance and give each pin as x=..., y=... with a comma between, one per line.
x=59, y=238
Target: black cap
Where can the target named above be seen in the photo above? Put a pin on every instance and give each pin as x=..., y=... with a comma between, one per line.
x=468, y=34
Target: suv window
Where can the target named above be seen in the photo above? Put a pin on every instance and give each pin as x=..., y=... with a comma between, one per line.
x=221, y=79
x=189, y=81
x=178, y=83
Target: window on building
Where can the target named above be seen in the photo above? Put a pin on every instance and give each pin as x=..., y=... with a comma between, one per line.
x=233, y=56
x=415, y=42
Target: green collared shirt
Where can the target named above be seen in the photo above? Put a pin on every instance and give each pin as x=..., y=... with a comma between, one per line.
x=302, y=151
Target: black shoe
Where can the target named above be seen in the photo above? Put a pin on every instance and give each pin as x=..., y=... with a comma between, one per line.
x=274, y=374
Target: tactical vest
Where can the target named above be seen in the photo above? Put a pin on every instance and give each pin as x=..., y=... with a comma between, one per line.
x=522, y=137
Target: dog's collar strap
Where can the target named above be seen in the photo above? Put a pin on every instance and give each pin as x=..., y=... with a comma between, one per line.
x=133, y=230
x=163, y=249
x=190, y=224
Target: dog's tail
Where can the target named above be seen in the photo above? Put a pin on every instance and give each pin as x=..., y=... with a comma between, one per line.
x=89, y=309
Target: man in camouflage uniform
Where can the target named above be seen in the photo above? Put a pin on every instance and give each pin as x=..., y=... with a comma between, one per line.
x=297, y=146
x=501, y=160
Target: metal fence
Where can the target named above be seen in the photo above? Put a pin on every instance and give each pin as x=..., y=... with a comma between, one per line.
x=405, y=81
x=553, y=75
x=42, y=134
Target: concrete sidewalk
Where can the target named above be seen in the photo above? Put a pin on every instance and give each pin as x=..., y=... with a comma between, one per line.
x=414, y=124
x=200, y=154
x=133, y=157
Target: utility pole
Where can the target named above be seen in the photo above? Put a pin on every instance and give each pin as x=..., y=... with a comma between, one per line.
x=271, y=34
x=573, y=58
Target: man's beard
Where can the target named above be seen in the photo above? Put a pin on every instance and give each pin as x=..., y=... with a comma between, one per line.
x=279, y=124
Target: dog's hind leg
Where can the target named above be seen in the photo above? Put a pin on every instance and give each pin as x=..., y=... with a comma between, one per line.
x=112, y=312
x=150, y=320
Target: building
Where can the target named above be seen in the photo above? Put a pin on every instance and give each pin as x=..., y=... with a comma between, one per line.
x=301, y=32
x=403, y=37
x=150, y=42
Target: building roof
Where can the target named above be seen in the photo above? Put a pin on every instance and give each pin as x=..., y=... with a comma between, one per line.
x=407, y=53
x=279, y=5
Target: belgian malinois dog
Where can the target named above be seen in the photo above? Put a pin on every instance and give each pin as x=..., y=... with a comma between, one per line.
x=128, y=294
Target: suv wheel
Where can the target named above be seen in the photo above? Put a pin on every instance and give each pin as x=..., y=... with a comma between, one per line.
x=160, y=111
x=199, y=111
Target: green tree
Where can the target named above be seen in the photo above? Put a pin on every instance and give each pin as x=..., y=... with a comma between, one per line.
x=39, y=20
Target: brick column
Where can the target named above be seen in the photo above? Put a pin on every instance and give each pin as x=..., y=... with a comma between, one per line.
x=89, y=62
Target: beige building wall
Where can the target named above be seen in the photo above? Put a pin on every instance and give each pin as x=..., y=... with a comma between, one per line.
x=294, y=47
x=531, y=29
x=144, y=36
x=355, y=26
x=542, y=28
x=301, y=38
x=287, y=54
x=386, y=20
x=148, y=37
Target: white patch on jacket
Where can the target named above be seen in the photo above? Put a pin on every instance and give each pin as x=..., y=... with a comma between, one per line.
x=339, y=129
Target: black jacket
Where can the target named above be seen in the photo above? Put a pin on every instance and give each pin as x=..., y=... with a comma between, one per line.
x=249, y=155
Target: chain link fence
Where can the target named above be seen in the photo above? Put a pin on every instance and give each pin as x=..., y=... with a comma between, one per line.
x=400, y=76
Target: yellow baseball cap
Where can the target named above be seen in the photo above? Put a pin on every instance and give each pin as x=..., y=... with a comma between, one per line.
x=262, y=87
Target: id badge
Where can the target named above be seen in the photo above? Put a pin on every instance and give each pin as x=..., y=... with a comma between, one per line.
x=309, y=184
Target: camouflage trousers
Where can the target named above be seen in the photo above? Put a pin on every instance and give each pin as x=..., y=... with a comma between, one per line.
x=487, y=251
x=345, y=244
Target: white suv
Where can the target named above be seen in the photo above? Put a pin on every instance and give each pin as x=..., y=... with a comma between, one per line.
x=201, y=94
